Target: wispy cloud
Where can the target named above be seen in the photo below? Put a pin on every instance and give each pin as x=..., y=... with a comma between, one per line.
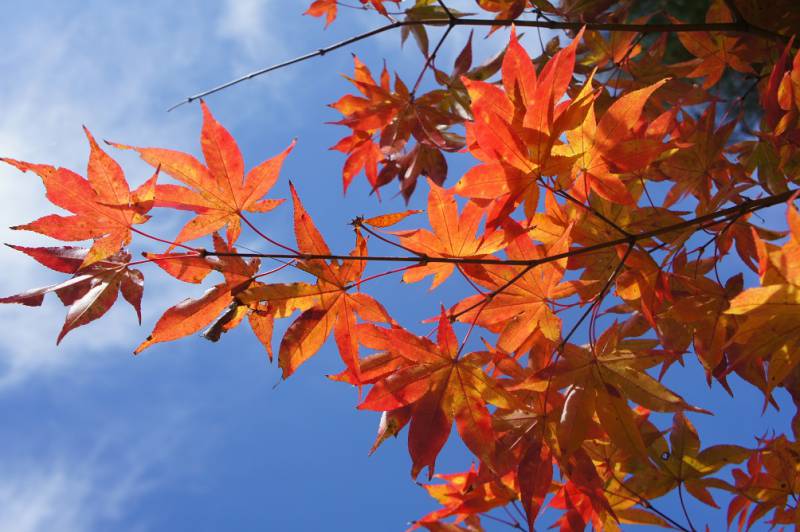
x=94, y=490
x=55, y=80
x=247, y=24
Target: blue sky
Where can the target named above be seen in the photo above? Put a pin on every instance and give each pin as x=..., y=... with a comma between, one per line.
x=192, y=435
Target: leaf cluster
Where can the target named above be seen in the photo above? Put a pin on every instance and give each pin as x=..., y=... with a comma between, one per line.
x=606, y=188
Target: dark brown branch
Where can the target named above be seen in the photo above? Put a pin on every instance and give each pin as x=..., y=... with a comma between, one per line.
x=429, y=60
x=730, y=27
x=446, y=9
x=593, y=211
x=736, y=210
x=735, y=13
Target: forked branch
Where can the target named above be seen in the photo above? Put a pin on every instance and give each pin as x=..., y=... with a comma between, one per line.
x=739, y=26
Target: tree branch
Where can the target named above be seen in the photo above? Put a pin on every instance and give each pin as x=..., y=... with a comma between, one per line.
x=740, y=26
x=736, y=210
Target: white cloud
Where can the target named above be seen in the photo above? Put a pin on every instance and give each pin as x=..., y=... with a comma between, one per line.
x=61, y=493
x=59, y=499
x=247, y=23
x=114, y=81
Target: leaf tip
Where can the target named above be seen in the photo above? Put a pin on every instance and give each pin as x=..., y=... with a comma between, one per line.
x=144, y=345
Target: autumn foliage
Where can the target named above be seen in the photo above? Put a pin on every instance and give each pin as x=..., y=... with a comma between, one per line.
x=610, y=178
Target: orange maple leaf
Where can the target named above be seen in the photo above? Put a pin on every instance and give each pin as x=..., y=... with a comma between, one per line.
x=465, y=494
x=191, y=315
x=327, y=306
x=514, y=128
x=524, y=307
x=219, y=191
x=453, y=236
x=604, y=149
x=769, y=331
x=103, y=207
x=443, y=387
x=327, y=8
x=714, y=51
x=323, y=8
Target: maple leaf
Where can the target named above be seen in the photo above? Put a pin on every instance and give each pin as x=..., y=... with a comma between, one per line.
x=453, y=235
x=192, y=315
x=327, y=306
x=523, y=307
x=714, y=51
x=698, y=307
x=396, y=115
x=781, y=96
x=617, y=48
x=323, y=8
x=683, y=463
x=771, y=479
x=505, y=9
x=464, y=494
x=443, y=387
x=219, y=192
x=603, y=149
x=582, y=496
x=769, y=329
x=514, y=129
x=327, y=8
x=103, y=207
x=606, y=378
x=696, y=168
x=91, y=291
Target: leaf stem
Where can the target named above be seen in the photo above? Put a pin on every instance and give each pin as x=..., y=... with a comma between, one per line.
x=430, y=59
x=386, y=240
x=683, y=507
x=265, y=237
x=274, y=270
x=378, y=276
x=169, y=242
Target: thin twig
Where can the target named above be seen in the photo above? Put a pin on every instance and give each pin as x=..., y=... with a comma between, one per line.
x=683, y=507
x=430, y=59
x=446, y=9
x=503, y=521
x=729, y=27
x=382, y=238
x=645, y=503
